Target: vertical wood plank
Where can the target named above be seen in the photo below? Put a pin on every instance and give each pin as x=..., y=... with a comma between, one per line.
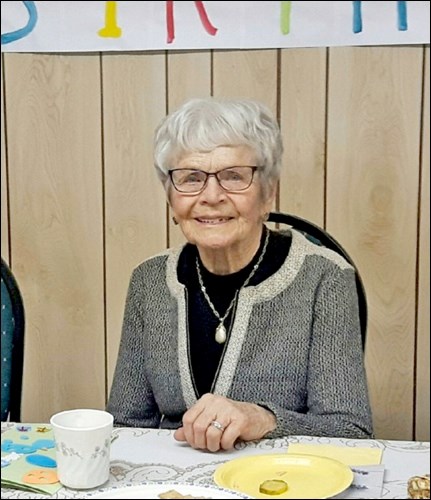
x=4, y=183
x=423, y=328
x=135, y=209
x=250, y=74
x=54, y=150
x=302, y=120
x=189, y=75
x=372, y=185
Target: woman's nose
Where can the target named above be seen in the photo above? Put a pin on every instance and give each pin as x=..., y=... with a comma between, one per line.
x=212, y=191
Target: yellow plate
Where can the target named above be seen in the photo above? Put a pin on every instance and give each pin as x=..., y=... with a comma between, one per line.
x=307, y=476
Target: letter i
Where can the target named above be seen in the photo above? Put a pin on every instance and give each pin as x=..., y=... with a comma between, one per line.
x=111, y=28
x=285, y=17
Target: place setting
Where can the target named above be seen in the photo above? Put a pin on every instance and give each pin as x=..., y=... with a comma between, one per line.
x=281, y=475
x=285, y=476
x=262, y=476
x=306, y=471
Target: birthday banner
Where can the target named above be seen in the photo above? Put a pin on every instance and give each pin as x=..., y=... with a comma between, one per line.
x=52, y=26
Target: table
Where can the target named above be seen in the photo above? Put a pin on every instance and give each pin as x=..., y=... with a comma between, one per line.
x=139, y=455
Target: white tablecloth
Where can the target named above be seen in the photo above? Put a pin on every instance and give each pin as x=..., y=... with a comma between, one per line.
x=139, y=455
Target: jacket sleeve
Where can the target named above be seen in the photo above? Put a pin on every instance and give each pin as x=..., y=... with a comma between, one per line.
x=131, y=400
x=337, y=394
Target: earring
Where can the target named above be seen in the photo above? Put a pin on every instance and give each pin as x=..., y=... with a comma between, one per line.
x=265, y=216
x=174, y=220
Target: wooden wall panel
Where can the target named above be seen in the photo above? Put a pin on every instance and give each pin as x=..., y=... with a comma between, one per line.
x=252, y=74
x=302, y=121
x=86, y=206
x=246, y=74
x=372, y=185
x=189, y=75
x=4, y=184
x=54, y=153
x=423, y=329
x=4, y=208
x=134, y=102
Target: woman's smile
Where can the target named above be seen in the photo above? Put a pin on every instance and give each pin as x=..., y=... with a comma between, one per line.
x=213, y=221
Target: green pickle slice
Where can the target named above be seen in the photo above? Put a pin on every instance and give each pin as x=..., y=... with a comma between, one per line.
x=273, y=487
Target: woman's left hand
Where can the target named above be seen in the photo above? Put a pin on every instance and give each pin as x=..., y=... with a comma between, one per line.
x=238, y=420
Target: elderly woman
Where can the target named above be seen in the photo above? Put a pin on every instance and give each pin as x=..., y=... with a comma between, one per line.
x=243, y=332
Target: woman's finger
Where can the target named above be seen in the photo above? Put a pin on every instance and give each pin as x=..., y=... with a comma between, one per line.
x=189, y=419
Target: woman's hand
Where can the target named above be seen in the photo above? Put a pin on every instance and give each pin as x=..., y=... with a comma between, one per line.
x=246, y=421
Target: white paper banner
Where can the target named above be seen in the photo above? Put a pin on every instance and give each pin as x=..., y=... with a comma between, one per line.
x=52, y=26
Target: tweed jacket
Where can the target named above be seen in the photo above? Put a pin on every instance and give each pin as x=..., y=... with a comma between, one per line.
x=294, y=348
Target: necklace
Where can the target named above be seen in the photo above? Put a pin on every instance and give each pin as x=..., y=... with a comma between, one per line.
x=220, y=333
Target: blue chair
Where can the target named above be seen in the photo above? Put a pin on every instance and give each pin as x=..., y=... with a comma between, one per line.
x=12, y=345
x=319, y=236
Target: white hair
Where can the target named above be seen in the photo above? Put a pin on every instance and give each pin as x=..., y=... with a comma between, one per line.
x=201, y=125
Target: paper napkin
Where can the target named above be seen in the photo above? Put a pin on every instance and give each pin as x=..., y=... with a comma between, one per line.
x=28, y=459
x=344, y=454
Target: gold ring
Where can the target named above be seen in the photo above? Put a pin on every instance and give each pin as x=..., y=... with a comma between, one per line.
x=217, y=425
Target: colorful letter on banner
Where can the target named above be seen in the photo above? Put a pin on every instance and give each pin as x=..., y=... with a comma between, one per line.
x=111, y=28
x=401, y=10
x=28, y=28
x=285, y=17
x=170, y=23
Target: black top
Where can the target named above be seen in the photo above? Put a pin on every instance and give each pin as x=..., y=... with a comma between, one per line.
x=205, y=352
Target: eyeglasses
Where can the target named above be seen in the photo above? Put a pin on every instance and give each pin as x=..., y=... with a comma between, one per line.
x=231, y=179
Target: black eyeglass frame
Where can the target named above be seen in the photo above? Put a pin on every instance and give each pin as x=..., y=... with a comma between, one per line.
x=213, y=174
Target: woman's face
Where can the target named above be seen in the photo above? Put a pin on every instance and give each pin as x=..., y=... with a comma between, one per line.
x=215, y=219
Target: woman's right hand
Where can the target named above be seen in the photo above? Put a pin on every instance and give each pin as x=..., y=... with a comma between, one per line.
x=237, y=419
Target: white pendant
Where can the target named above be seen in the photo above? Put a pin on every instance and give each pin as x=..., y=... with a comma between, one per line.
x=220, y=334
